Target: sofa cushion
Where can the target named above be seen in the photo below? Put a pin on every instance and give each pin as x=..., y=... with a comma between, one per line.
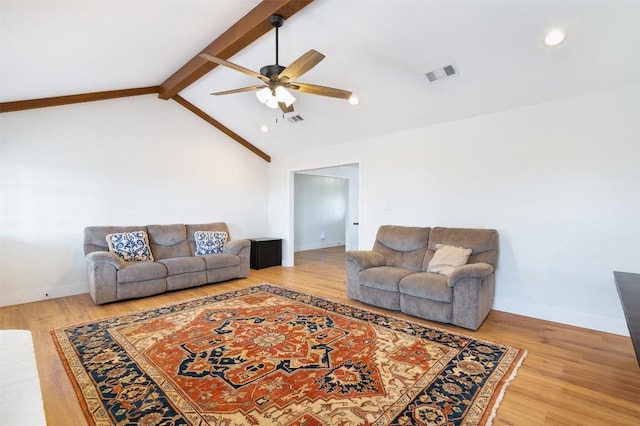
x=130, y=246
x=168, y=241
x=427, y=285
x=209, y=242
x=141, y=271
x=183, y=265
x=141, y=289
x=426, y=308
x=482, y=242
x=447, y=258
x=191, y=279
x=402, y=246
x=382, y=298
x=221, y=260
x=383, y=277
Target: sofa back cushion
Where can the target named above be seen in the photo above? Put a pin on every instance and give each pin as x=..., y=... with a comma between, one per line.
x=216, y=226
x=95, y=237
x=482, y=242
x=168, y=241
x=402, y=246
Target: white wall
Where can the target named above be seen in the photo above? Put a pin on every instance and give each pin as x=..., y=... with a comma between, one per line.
x=320, y=211
x=130, y=161
x=559, y=181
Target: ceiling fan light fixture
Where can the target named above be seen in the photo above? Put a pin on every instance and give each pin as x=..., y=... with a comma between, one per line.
x=353, y=100
x=283, y=95
x=263, y=95
x=272, y=102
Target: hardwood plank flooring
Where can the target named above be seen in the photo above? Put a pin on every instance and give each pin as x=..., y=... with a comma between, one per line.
x=572, y=376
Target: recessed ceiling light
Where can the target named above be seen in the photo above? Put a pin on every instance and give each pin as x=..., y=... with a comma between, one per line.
x=264, y=128
x=554, y=37
x=353, y=100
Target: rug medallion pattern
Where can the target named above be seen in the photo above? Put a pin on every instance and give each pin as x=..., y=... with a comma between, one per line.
x=266, y=355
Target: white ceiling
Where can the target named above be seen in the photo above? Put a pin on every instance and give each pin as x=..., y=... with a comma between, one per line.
x=379, y=49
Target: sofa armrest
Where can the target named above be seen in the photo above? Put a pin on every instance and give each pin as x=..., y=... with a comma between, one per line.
x=236, y=246
x=357, y=261
x=105, y=257
x=240, y=248
x=365, y=259
x=470, y=270
x=102, y=271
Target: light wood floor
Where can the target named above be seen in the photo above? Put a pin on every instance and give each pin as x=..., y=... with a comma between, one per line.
x=572, y=376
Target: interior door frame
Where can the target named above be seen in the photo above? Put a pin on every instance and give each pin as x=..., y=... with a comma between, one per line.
x=290, y=247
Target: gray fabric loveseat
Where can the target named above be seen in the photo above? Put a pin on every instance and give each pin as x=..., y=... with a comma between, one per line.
x=440, y=274
x=169, y=262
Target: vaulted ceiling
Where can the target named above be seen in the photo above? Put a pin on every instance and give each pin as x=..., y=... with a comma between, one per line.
x=379, y=49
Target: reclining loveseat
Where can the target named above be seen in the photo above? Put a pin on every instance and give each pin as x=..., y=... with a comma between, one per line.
x=439, y=274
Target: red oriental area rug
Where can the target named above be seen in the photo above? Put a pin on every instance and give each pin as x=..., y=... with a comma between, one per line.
x=266, y=355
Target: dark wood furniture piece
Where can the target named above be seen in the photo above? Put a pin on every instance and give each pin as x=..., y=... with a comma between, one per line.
x=628, y=286
x=265, y=252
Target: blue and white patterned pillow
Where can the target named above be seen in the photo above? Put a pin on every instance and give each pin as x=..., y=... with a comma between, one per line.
x=209, y=242
x=130, y=246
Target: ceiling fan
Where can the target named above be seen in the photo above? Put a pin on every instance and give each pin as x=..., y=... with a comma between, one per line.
x=278, y=80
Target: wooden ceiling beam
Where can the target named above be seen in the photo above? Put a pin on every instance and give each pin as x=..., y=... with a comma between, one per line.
x=224, y=129
x=75, y=99
x=241, y=34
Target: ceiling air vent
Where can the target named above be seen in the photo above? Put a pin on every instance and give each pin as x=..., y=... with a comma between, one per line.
x=440, y=73
x=432, y=76
x=449, y=70
x=295, y=119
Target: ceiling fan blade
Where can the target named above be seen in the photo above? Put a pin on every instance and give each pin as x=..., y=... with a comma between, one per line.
x=301, y=65
x=320, y=90
x=240, y=90
x=233, y=66
x=285, y=109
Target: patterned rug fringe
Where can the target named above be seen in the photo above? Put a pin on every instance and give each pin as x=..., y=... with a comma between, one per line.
x=505, y=385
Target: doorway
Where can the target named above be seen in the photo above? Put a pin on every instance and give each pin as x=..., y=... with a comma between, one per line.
x=326, y=208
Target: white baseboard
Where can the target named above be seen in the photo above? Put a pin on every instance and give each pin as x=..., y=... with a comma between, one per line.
x=43, y=293
x=320, y=245
x=550, y=313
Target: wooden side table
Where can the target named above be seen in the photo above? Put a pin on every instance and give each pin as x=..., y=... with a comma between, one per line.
x=265, y=252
